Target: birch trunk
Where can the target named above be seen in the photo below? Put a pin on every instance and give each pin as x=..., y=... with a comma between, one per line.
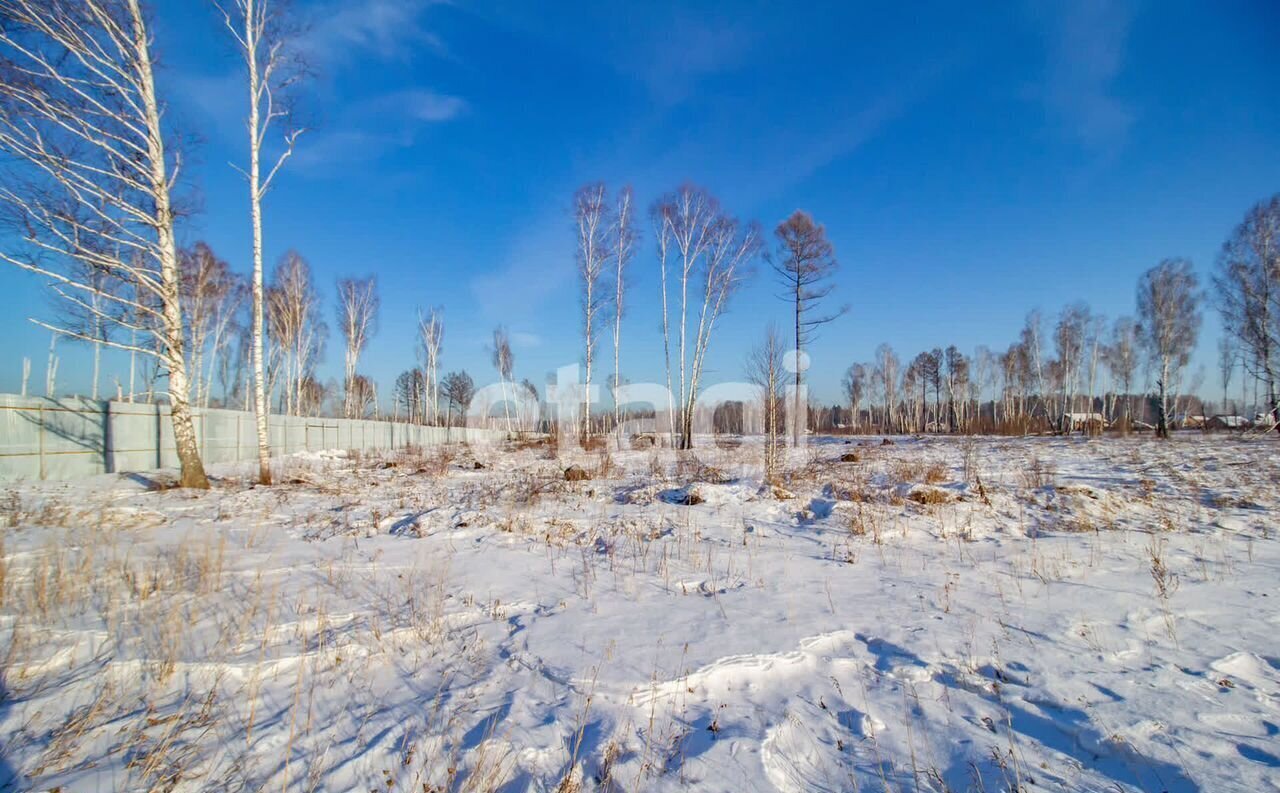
x=261, y=408
x=184, y=434
x=97, y=366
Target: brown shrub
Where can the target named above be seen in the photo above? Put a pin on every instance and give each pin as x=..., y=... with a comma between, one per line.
x=935, y=474
x=906, y=470
x=1037, y=474
x=437, y=462
x=693, y=469
x=643, y=440
x=929, y=495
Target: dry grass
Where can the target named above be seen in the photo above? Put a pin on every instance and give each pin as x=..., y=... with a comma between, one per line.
x=691, y=468
x=906, y=471
x=436, y=462
x=283, y=643
x=4, y=573
x=1037, y=474
x=936, y=474
x=131, y=636
x=930, y=496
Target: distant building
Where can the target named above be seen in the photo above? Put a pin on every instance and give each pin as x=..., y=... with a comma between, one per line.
x=1229, y=423
x=1083, y=422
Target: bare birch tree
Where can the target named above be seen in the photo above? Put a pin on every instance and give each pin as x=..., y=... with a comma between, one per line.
x=624, y=244
x=1121, y=358
x=211, y=297
x=91, y=316
x=1169, y=322
x=1247, y=293
x=887, y=374
x=704, y=249
x=261, y=35
x=357, y=320
x=294, y=309
x=661, y=216
x=681, y=221
x=591, y=219
x=855, y=388
x=764, y=371
x=1068, y=338
x=805, y=263
x=430, y=339
x=1093, y=344
x=915, y=396
x=1032, y=340
x=731, y=248
x=228, y=326
x=231, y=358
x=986, y=372
x=956, y=377
x=504, y=363
x=362, y=396
x=93, y=172
x=1227, y=357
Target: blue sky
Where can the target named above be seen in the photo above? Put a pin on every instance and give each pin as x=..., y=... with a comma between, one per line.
x=968, y=166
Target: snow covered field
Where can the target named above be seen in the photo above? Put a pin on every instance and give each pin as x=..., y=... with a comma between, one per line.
x=936, y=615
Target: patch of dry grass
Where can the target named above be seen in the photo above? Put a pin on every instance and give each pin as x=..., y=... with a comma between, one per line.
x=930, y=496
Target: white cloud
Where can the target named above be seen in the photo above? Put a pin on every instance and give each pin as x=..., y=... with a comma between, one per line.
x=672, y=65
x=418, y=104
x=1086, y=53
x=388, y=29
x=376, y=127
x=432, y=107
x=525, y=340
x=343, y=33
x=535, y=270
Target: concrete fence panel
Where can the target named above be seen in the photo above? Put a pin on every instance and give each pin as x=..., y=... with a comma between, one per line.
x=70, y=438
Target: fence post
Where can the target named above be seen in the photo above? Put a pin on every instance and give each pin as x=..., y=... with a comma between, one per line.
x=40, y=435
x=108, y=457
x=159, y=436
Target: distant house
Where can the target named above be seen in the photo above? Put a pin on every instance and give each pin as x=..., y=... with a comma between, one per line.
x=1083, y=422
x=1188, y=421
x=1229, y=423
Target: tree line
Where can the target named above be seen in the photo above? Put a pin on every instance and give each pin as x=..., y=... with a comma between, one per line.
x=1074, y=371
x=1077, y=370
x=1081, y=369
x=93, y=195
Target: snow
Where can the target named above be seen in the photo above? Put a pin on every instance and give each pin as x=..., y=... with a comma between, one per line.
x=941, y=614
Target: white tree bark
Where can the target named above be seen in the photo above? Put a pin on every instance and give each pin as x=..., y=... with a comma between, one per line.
x=591, y=218
x=261, y=47
x=623, y=248
x=430, y=339
x=357, y=316
x=90, y=90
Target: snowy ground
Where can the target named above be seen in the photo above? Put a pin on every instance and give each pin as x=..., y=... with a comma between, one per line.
x=885, y=624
